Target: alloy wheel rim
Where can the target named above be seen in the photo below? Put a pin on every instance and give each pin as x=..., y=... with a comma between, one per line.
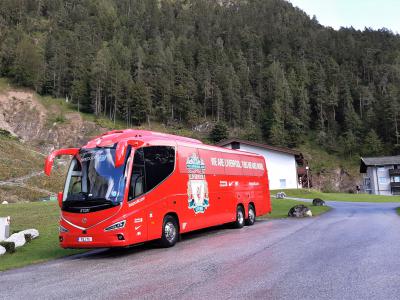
x=170, y=231
x=251, y=215
x=240, y=217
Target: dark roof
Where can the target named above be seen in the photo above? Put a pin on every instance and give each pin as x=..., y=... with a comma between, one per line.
x=264, y=146
x=378, y=161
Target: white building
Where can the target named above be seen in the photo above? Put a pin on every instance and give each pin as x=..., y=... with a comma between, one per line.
x=282, y=163
x=382, y=175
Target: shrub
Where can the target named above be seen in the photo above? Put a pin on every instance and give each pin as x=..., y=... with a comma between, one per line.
x=328, y=188
x=9, y=246
x=5, y=133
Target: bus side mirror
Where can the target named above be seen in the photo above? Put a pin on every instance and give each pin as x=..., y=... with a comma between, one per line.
x=120, y=151
x=48, y=164
x=60, y=197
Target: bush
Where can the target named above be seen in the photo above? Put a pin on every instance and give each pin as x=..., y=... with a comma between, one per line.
x=5, y=133
x=328, y=188
x=9, y=246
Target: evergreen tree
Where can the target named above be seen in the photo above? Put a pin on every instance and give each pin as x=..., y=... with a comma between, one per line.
x=372, y=144
x=219, y=132
x=27, y=68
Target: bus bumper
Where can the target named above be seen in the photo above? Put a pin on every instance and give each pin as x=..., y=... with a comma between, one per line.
x=96, y=240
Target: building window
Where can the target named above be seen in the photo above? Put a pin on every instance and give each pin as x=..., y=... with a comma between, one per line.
x=382, y=180
x=395, y=179
x=282, y=183
x=235, y=145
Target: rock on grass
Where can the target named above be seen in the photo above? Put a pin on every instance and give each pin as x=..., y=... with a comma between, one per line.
x=33, y=232
x=299, y=211
x=318, y=202
x=9, y=246
x=17, y=238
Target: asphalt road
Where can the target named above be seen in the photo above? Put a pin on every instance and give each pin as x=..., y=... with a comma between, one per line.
x=351, y=252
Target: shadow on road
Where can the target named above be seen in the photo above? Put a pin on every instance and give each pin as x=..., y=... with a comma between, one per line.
x=152, y=245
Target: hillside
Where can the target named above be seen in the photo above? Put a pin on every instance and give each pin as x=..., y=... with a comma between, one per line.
x=41, y=124
x=31, y=126
x=21, y=176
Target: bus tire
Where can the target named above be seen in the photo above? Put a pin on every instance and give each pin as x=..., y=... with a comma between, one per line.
x=251, y=219
x=170, y=232
x=239, y=223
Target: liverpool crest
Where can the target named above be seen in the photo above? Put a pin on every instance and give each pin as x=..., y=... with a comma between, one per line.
x=197, y=190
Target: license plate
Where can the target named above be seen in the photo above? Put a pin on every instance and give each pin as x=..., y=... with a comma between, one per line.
x=85, y=239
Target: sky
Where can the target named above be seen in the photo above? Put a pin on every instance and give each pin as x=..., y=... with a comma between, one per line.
x=357, y=13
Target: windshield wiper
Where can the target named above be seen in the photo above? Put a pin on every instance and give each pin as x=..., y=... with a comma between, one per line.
x=102, y=200
x=80, y=196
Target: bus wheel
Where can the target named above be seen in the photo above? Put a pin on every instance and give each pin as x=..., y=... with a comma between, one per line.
x=170, y=232
x=252, y=215
x=239, y=223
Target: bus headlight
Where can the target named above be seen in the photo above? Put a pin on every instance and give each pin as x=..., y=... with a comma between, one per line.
x=62, y=229
x=115, y=226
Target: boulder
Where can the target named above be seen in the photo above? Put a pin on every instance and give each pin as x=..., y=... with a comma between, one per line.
x=9, y=246
x=280, y=195
x=18, y=239
x=2, y=250
x=318, y=202
x=299, y=211
x=33, y=232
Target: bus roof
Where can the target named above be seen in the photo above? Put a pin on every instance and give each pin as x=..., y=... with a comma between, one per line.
x=115, y=136
x=145, y=136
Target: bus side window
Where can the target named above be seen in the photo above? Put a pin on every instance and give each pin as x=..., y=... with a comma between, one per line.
x=159, y=162
x=138, y=183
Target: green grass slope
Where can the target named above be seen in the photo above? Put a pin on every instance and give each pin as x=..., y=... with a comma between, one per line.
x=43, y=216
x=18, y=160
x=346, y=197
x=281, y=207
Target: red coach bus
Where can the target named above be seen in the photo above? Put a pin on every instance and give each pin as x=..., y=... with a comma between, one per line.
x=130, y=186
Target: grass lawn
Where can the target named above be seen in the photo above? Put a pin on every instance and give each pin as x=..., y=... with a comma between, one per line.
x=43, y=216
x=347, y=197
x=280, y=208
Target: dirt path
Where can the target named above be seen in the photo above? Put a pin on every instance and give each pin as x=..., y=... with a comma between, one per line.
x=20, y=182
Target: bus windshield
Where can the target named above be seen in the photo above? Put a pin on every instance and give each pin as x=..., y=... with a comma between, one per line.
x=93, y=179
